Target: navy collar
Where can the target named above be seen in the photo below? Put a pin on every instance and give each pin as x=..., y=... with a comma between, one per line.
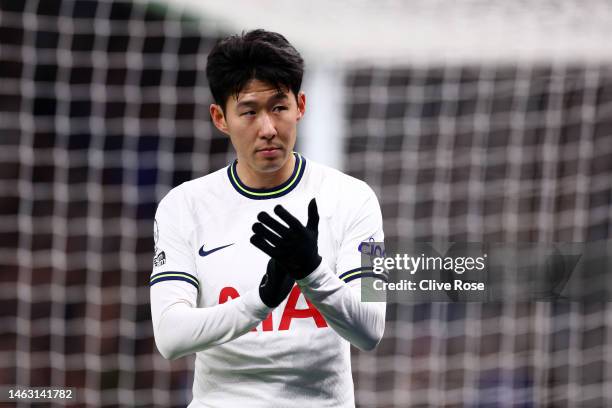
x=267, y=193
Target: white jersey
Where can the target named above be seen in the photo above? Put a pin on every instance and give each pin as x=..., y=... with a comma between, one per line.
x=246, y=353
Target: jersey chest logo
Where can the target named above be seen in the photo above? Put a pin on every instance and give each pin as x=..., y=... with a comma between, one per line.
x=203, y=252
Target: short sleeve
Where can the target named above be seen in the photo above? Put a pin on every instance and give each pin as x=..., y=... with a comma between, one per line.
x=174, y=258
x=363, y=224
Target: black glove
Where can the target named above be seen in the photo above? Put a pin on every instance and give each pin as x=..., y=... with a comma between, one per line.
x=293, y=247
x=275, y=284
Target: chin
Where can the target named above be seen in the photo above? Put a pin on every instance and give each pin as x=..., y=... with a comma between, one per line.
x=271, y=166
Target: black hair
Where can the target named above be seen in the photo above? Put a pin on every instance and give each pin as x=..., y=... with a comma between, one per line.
x=257, y=54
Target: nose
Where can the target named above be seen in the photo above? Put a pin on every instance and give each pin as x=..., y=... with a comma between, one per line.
x=267, y=130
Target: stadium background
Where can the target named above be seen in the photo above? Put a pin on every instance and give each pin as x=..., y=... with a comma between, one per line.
x=104, y=108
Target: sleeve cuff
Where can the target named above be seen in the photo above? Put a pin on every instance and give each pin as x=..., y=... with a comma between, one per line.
x=255, y=306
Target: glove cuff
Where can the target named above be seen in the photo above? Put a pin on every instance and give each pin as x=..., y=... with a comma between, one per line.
x=308, y=269
x=275, y=285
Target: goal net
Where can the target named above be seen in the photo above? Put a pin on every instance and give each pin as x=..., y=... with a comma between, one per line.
x=507, y=139
x=487, y=154
x=104, y=108
x=100, y=105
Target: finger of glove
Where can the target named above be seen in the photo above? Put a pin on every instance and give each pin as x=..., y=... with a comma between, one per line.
x=259, y=229
x=286, y=216
x=259, y=242
x=313, y=216
x=273, y=224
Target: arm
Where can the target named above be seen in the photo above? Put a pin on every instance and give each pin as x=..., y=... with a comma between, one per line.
x=179, y=326
x=295, y=247
x=361, y=323
x=338, y=297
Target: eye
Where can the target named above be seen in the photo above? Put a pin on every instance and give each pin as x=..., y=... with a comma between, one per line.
x=279, y=108
x=247, y=113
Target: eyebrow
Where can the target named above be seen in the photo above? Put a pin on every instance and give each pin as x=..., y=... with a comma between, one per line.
x=279, y=96
x=246, y=104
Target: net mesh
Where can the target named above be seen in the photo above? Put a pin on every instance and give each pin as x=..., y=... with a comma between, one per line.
x=486, y=154
x=100, y=102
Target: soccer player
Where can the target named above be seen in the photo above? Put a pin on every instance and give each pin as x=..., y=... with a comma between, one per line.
x=257, y=266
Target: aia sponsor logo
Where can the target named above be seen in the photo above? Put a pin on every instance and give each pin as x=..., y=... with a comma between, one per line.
x=290, y=311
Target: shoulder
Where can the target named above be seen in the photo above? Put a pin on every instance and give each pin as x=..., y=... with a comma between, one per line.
x=335, y=184
x=342, y=198
x=349, y=205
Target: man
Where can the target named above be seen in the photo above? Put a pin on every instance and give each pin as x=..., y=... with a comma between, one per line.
x=257, y=267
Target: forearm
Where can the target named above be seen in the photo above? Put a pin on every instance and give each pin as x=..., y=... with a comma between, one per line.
x=181, y=329
x=361, y=323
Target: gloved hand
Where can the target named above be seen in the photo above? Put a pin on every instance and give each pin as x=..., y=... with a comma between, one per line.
x=293, y=247
x=275, y=284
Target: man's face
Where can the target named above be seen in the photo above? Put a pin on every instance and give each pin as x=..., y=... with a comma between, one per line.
x=262, y=124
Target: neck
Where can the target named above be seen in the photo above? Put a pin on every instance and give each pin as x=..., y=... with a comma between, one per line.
x=261, y=180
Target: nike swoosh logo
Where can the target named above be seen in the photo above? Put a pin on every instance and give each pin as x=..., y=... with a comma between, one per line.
x=202, y=252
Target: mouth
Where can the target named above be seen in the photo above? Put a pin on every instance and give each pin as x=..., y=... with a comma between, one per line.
x=268, y=149
x=269, y=152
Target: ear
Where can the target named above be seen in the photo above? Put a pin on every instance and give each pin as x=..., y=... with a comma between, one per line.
x=301, y=105
x=218, y=118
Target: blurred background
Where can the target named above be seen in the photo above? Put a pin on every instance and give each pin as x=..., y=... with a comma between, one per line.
x=472, y=120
